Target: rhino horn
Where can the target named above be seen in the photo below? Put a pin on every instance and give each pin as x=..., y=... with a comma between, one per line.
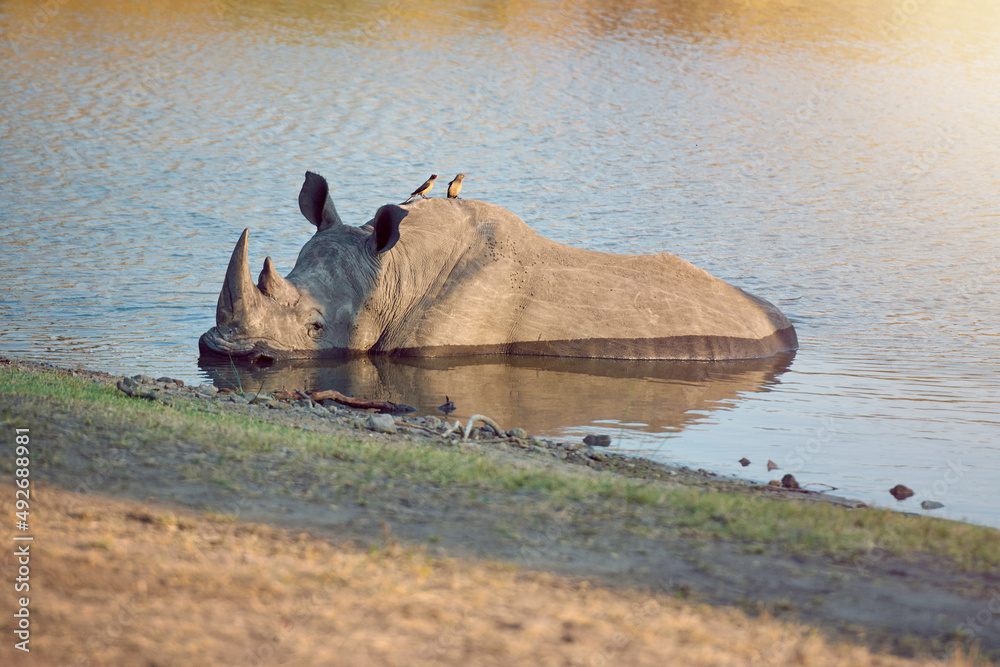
x=240, y=296
x=273, y=285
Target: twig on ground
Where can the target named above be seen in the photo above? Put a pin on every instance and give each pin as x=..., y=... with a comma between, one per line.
x=359, y=403
x=457, y=426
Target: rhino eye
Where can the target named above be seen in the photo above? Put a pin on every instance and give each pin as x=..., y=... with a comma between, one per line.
x=314, y=329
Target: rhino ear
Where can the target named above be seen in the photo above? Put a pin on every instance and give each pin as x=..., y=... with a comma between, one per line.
x=386, y=228
x=315, y=202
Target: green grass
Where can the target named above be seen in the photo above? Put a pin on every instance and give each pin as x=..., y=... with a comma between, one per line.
x=863, y=536
x=235, y=452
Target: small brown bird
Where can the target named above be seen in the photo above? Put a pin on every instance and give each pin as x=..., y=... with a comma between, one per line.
x=455, y=187
x=423, y=189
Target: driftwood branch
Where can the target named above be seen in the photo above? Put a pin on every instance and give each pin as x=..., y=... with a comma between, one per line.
x=456, y=427
x=359, y=403
x=418, y=427
x=486, y=420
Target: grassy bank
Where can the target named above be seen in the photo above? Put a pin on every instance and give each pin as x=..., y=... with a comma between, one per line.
x=242, y=454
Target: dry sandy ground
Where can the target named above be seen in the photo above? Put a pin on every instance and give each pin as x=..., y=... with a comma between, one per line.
x=125, y=583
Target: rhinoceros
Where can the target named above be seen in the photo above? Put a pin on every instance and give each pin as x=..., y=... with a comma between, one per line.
x=446, y=277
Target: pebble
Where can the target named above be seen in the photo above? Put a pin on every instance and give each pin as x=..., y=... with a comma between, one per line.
x=931, y=505
x=597, y=440
x=518, y=433
x=133, y=387
x=381, y=423
x=432, y=422
x=900, y=492
x=788, y=482
x=744, y=462
x=771, y=465
x=128, y=385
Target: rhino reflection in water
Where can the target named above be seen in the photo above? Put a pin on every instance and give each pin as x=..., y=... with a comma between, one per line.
x=444, y=277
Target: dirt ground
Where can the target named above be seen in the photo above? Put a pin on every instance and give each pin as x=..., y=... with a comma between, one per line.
x=127, y=583
x=151, y=565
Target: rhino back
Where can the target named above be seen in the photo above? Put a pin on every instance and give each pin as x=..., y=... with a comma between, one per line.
x=471, y=277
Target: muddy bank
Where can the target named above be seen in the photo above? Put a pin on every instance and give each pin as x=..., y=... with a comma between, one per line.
x=297, y=409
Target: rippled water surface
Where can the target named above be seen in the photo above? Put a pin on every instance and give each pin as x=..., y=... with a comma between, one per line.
x=838, y=158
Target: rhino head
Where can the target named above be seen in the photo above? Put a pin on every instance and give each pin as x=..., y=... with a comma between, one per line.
x=313, y=312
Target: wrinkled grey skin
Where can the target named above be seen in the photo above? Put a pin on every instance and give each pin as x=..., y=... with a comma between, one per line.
x=444, y=277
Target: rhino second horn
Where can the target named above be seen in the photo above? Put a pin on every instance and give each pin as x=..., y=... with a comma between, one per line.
x=273, y=285
x=240, y=297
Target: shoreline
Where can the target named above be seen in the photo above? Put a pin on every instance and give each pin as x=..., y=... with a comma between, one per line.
x=521, y=444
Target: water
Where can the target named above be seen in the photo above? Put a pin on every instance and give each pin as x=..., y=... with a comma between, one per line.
x=837, y=158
